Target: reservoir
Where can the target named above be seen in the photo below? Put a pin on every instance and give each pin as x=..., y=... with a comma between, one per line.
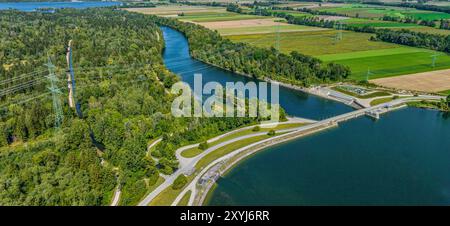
x=401, y=159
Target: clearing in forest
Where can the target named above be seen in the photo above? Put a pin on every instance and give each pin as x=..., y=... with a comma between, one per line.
x=434, y=81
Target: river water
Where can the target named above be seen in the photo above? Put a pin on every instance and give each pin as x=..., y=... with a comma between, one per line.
x=401, y=159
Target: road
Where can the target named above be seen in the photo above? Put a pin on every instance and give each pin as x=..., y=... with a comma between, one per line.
x=116, y=198
x=187, y=164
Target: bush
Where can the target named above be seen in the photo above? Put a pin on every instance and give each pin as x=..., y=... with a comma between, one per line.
x=203, y=145
x=256, y=129
x=179, y=182
x=271, y=132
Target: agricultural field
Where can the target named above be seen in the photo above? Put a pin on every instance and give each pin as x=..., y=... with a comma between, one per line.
x=215, y=16
x=315, y=43
x=255, y=26
x=365, y=58
x=372, y=22
x=371, y=11
x=434, y=81
x=425, y=29
x=359, y=22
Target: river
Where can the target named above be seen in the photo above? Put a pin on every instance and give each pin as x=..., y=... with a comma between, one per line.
x=401, y=159
x=177, y=59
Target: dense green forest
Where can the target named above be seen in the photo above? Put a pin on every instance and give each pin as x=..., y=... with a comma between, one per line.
x=123, y=91
x=208, y=46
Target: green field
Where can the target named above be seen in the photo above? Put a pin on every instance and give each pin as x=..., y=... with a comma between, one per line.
x=315, y=43
x=358, y=22
x=389, y=62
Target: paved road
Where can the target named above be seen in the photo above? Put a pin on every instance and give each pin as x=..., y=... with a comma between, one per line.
x=116, y=198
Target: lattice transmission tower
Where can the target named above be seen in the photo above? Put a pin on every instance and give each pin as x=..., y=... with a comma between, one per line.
x=56, y=94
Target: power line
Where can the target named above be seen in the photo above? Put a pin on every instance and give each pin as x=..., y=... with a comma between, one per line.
x=20, y=87
x=25, y=101
x=56, y=92
x=22, y=76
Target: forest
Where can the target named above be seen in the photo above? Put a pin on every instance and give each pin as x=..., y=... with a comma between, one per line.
x=122, y=89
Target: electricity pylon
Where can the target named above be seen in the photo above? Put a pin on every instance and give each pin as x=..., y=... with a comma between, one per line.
x=433, y=59
x=339, y=28
x=368, y=74
x=56, y=92
x=277, y=39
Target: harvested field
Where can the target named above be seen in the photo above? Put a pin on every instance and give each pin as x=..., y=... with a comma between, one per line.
x=433, y=81
x=242, y=23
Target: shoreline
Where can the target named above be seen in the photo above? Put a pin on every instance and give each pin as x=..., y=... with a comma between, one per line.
x=283, y=84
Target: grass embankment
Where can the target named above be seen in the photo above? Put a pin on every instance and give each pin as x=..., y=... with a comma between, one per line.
x=166, y=197
x=381, y=101
x=426, y=104
x=370, y=95
x=185, y=200
x=192, y=152
x=228, y=149
x=446, y=92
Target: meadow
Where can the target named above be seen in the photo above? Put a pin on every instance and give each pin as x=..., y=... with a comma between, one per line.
x=315, y=43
